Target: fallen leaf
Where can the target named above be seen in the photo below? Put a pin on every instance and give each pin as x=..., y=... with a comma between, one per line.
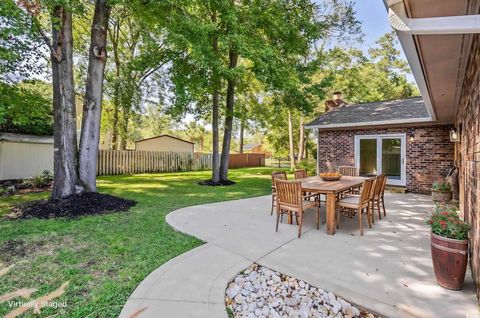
x=138, y=312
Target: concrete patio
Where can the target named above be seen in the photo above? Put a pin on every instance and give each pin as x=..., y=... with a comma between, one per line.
x=388, y=271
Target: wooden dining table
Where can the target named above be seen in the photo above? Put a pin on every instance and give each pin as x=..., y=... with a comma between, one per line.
x=331, y=189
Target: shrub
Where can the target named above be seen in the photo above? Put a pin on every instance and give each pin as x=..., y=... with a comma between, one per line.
x=309, y=165
x=446, y=223
x=442, y=186
x=41, y=180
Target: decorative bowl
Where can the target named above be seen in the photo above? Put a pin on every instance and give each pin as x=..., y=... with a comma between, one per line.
x=330, y=176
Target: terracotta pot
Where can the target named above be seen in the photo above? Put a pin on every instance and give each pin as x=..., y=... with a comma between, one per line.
x=441, y=196
x=449, y=258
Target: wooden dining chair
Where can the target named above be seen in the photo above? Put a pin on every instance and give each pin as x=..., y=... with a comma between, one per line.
x=349, y=171
x=300, y=174
x=282, y=175
x=351, y=205
x=290, y=200
x=378, y=196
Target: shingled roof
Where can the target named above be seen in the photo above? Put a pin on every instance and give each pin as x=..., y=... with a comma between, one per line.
x=398, y=111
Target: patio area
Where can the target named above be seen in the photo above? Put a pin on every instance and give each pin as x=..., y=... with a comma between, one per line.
x=388, y=271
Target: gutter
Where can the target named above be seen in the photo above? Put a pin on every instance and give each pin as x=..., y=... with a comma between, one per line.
x=406, y=28
x=462, y=24
x=407, y=121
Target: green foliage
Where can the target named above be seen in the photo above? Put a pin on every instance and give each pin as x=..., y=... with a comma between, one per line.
x=446, y=222
x=25, y=108
x=19, y=42
x=105, y=257
x=442, y=186
x=309, y=165
x=40, y=180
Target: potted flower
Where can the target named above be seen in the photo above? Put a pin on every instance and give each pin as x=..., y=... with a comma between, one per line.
x=449, y=247
x=441, y=192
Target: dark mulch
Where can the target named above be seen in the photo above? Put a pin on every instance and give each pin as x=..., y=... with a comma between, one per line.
x=19, y=186
x=89, y=203
x=215, y=184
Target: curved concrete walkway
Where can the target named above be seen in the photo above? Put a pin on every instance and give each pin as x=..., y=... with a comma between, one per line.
x=388, y=271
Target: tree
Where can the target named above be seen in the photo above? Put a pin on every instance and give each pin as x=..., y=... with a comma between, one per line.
x=92, y=103
x=196, y=132
x=60, y=44
x=26, y=108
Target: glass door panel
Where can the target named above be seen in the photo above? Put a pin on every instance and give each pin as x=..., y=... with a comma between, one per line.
x=392, y=158
x=368, y=157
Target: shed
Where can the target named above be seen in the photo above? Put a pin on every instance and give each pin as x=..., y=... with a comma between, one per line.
x=23, y=156
x=165, y=143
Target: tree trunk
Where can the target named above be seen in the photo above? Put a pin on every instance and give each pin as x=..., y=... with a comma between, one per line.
x=123, y=141
x=301, y=142
x=65, y=174
x=114, y=38
x=242, y=128
x=215, y=105
x=115, y=121
x=307, y=138
x=92, y=103
x=227, y=134
x=290, y=141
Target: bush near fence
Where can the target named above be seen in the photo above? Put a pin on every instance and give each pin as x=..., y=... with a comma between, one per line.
x=111, y=162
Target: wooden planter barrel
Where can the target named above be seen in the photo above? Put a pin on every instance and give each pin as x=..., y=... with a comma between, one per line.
x=449, y=258
x=441, y=196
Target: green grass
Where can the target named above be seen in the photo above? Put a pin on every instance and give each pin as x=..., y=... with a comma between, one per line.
x=105, y=257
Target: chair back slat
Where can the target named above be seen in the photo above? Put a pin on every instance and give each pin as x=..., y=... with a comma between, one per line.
x=366, y=191
x=349, y=171
x=384, y=184
x=300, y=174
x=281, y=175
x=379, y=185
x=289, y=192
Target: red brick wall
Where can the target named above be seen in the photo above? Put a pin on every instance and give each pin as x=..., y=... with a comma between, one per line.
x=468, y=154
x=429, y=156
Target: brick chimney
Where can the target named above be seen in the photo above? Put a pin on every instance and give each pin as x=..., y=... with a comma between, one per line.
x=337, y=101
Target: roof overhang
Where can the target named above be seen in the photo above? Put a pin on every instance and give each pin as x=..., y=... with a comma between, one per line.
x=436, y=38
x=372, y=124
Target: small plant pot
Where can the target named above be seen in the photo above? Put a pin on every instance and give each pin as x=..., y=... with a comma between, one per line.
x=449, y=257
x=441, y=196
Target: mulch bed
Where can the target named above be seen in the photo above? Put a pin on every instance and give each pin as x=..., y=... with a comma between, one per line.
x=215, y=184
x=20, y=187
x=89, y=203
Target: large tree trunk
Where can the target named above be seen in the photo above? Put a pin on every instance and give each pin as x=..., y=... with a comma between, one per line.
x=301, y=142
x=92, y=103
x=227, y=134
x=215, y=105
x=242, y=129
x=290, y=141
x=65, y=174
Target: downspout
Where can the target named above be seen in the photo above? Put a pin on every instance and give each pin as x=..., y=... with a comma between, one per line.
x=407, y=27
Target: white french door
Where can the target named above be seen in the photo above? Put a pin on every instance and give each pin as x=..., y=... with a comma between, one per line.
x=376, y=154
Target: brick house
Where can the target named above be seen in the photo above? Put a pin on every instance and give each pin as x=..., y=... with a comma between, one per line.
x=441, y=40
x=395, y=137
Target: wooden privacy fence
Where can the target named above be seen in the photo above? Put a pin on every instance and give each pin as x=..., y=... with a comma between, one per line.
x=240, y=160
x=127, y=161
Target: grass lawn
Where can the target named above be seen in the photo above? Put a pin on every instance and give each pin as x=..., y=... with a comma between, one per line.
x=105, y=257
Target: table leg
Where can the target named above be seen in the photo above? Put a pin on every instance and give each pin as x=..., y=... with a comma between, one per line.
x=331, y=204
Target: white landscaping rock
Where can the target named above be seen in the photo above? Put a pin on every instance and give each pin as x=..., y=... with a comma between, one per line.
x=263, y=293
